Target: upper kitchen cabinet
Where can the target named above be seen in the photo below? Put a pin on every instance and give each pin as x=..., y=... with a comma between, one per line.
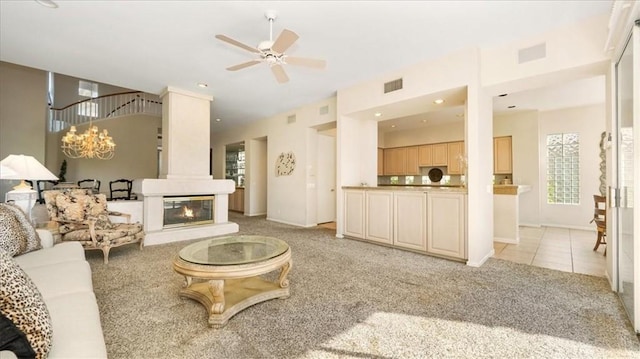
x=440, y=154
x=412, y=161
x=380, y=161
x=395, y=161
x=502, y=155
x=455, y=150
x=425, y=155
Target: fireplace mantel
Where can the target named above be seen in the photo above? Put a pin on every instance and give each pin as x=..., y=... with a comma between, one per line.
x=154, y=190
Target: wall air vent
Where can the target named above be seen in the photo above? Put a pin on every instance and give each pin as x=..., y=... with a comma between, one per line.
x=532, y=53
x=393, y=86
x=291, y=119
x=323, y=110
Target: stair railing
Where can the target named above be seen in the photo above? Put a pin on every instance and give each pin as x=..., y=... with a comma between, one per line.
x=104, y=107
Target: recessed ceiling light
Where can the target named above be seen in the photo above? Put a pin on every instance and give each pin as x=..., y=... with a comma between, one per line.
x=393, y=126
x=377, y=114
x=202, y=84
x=47, y=3
x=218, y=120
x=438, y=101
x=424, y=121
x=512, y=106
x=502, y=95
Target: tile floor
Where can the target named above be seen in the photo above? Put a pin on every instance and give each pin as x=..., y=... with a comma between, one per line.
x=568, y=250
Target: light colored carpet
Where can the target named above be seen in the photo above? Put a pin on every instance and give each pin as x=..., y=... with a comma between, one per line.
x=351, y=299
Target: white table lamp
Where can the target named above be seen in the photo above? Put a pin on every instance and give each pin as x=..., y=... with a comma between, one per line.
x=21, y=167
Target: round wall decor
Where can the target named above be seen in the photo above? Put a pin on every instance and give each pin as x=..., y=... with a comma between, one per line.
x=285, y=164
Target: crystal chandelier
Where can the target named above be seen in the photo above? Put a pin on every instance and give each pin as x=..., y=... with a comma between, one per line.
x=90, y=144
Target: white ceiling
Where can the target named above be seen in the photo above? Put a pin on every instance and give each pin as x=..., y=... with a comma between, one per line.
x=148, y=45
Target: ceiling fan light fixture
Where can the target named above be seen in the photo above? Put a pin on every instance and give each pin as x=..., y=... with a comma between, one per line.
x=272, y=52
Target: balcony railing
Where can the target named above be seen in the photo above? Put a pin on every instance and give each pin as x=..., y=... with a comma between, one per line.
x=104, y=107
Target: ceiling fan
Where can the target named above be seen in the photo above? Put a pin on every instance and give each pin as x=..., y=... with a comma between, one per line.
x=272, y=52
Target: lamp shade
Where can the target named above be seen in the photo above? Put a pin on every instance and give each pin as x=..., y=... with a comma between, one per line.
x=6, y=171
x=21, y=167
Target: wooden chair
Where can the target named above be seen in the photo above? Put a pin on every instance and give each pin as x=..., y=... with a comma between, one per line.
x=120, y=189
x=600, y=218
x=40, y=186
x=92, y=184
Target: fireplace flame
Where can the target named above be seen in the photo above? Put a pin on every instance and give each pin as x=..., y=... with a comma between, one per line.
x=187, y=212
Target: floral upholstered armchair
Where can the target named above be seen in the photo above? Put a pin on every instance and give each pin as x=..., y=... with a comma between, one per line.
x=83, y=216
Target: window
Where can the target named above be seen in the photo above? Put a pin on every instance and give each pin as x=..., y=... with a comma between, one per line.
x=563, y=168
x=87, y=89
x=89, y=108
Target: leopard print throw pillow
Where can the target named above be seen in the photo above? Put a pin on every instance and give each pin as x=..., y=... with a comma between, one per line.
x=17, y=234
x=22, y=303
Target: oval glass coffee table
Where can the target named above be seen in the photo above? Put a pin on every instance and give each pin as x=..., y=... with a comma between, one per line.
x=223, y=274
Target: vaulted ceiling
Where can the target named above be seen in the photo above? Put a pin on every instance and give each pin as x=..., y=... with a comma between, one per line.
x=148, y=45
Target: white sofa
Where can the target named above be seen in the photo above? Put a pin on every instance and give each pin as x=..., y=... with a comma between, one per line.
x=63, y=277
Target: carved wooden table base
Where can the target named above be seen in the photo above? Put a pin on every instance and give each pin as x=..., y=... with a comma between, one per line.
x=226, y=290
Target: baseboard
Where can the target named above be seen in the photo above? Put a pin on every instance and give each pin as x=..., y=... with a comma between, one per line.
x=507, y=240
x=581, y=228
x=291, y=224
x=483, y=260
x=533, y=225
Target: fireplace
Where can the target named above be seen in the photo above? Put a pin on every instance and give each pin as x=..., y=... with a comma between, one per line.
x=180, y=211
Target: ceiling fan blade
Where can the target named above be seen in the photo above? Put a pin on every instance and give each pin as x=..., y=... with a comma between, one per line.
x=243, y=65
x=237, y=43
x=284, y=41
x=279, y=73
x=301, y=61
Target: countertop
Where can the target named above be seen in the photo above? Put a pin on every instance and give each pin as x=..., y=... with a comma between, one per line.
x=420, y=188
x=510, y=189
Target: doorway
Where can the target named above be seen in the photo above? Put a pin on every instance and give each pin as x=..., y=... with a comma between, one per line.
x=627, y=73
x=326, y=177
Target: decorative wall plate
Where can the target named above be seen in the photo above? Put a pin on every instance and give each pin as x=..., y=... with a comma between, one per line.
x=285, y=164
x=435, y=174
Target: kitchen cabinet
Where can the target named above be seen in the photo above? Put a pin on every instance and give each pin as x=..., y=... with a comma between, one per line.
x=354, y=213
x=428, y=221
x=502, y=155
x=409, y=219
x=395, y=160
x=455, y=150
x=380, y=161
x=425, y=155
x=446, y=224
x=236, y=200
x=440, y=154
x=378, y=214
x=412, y=161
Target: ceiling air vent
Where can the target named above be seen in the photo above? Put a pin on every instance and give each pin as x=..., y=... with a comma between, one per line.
x=291, y=119
x=324, y=110
x=393, y=86
x=532, y=53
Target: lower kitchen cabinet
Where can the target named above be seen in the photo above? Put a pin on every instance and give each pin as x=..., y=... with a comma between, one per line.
x=354, y=213
x=426, y=221
x=409, y=219
x=447, y=225
x=379, y=216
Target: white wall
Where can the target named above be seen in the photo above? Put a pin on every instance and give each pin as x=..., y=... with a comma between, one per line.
x=589, y=122
x=290, y=199
x=447, y=132
x=523, y=129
